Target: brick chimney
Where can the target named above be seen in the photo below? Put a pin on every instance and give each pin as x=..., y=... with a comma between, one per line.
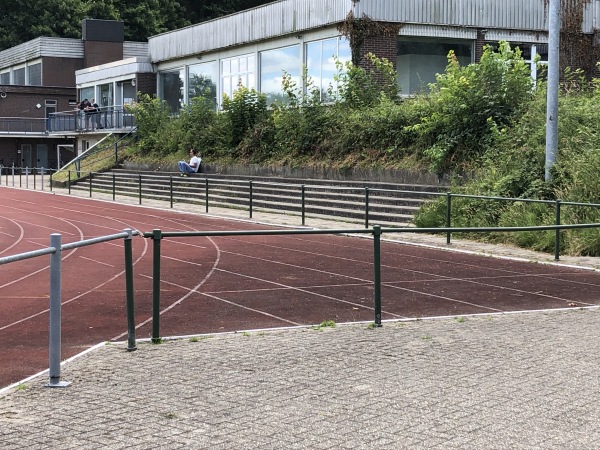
x=102, y=41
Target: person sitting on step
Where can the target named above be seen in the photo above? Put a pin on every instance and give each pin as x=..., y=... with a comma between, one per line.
x=193, y=166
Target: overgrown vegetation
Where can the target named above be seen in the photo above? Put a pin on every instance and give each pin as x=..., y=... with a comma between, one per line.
x=483, y=125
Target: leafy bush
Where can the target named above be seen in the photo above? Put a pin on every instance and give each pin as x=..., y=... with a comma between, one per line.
x=243, y=111
x=467, y=105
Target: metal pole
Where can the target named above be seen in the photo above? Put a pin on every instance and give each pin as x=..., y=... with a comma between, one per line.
x=250, y=197
x=377, y=272
x=91, y=176
x=50, y=181
x=42, y=173
x=26, y=177
x=114, y=186
x=366, y=207
x=69, y=182
x=140, y=187
x=13, y=176
x=171, y=190
x=206, y=184
x=157, y=236
x=554, y=23
x=127, y=244
x=557, y=233
x=303, y=205
x=448, y=215
x=55, y=312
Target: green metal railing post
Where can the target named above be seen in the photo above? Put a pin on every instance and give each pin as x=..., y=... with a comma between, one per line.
x=557, y=235
x=91, y=176
x=448, y=215
x=171, y=190
x=156, y=237
x=250, y=197
x=303, y=205
x=69, y=181
x=366, y=207
x=140, y=189
x=34, y=187
x=114, y=187
x=206, y=196
x=377, y=272
x=50, y=181
x=129, y=290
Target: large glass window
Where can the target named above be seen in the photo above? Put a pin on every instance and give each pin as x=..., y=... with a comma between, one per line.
x=321, y=57
x=87, y=92
x=272, y=65
x=34, y=74
x=19, y=76
x=237, y=71
x=202, y=81
x=418, y=62
x=106, y=95
x=170, y=88
x=5, y=78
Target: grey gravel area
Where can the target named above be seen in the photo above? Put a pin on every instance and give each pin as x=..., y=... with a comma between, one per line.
x=505, y=381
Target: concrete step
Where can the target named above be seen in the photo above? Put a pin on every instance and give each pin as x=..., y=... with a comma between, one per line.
x=388, y=204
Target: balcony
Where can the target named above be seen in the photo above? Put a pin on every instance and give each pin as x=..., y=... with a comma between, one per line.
x=22, y=126
x=107, y=120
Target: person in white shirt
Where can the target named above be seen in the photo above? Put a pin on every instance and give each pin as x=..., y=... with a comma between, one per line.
x=193, y=166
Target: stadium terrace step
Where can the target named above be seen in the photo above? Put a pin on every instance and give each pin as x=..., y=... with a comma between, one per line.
x=388, y=204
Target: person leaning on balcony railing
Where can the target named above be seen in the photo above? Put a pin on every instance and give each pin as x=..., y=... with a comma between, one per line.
x=193, y=166
x=94, y=111
x=84, y=116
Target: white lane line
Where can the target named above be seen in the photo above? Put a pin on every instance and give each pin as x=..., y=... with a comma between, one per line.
x=96, y=261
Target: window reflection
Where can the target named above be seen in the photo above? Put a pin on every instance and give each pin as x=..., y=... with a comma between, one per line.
x=272, y=65
x=202, y=81
x=321, y=57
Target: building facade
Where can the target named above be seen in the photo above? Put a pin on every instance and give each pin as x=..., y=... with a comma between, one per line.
x=255, y=47
x=38, y=81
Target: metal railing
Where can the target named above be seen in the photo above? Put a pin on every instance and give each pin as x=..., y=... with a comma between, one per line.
x=55, y=251
x=108, y=117
x=24, y=177
x=202, y=189
x=158, y=235
x=22, y=125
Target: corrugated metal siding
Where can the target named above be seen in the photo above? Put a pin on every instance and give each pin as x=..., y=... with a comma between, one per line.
x=42, y=46
x=135, y=49
x=275, y=19
x=514, y=14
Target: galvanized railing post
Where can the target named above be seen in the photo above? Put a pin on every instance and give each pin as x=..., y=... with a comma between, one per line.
x=26, y=177
x=127, y=244
x=42, y=176
x=50, y=182
x=91, y=176
x=377, y=272
x=114, y=186
x=13, y=176
x=557, y=232
x=140, y=188
x=448, y=215
x=171, y=190
x=55, y=312
x=156, y=237
x=250, y=197
x=206, y=196
x=366, y=207
x=303, y=205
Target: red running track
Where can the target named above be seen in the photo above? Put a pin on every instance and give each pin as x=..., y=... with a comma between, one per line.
x=220, y=284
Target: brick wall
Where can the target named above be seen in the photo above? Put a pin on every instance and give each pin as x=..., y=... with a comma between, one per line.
x=146, y=83
x=385, y=46
x=60, y=71
x=97, y=53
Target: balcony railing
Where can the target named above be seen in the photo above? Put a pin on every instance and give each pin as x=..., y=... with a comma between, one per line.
x=22, y=125
x=107, y=118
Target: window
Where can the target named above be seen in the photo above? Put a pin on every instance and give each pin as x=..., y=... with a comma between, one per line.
x=87, y=92
x=170, y=88
x=240, y=70
x=418, y=62
x=536, y=55
x=202, y=81
x=321, y=57
x=34, y=74
x=19, y=76
x=5, y=78
x=272, y=65
x=106, y=95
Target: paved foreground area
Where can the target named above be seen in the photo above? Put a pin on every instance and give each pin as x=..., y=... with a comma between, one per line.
x=504, y=381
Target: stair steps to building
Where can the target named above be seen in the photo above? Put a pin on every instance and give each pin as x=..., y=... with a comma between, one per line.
x=388, y=204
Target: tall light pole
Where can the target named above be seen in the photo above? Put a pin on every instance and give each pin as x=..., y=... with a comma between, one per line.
x=553, y=85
